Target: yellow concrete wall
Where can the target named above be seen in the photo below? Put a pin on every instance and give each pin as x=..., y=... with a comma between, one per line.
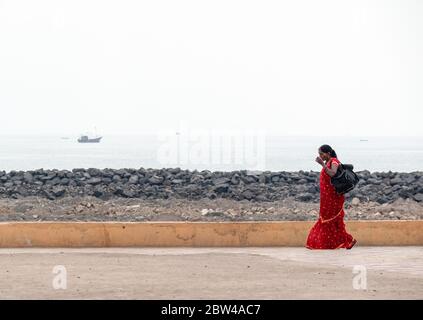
x=197, y=234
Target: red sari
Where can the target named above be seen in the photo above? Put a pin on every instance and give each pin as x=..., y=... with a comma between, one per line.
x=329, y=231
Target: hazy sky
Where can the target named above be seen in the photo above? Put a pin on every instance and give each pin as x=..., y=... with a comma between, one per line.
x=291, y=67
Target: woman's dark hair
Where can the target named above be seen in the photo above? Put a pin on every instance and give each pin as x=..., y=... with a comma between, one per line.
x=328, y=149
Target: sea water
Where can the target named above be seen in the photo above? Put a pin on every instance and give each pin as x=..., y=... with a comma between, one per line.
x=261, y=152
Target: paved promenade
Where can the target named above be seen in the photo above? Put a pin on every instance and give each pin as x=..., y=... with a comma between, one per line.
x=212, y=273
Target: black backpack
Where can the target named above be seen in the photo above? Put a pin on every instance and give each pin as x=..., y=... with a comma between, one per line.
x=345, y=179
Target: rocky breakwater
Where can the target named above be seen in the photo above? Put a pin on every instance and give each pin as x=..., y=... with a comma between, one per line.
x=381, y=187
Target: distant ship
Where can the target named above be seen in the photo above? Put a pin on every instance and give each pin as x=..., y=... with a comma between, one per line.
x=86, y=139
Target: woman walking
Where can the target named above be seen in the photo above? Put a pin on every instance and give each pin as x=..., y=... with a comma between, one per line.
x=329, y=231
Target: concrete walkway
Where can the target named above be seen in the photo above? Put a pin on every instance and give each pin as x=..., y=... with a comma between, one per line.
x=212, y=273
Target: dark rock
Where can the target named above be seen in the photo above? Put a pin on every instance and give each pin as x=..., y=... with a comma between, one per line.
x=261, y=197
x=313, y=189
x=53, y=182
x=275, y=179
x=61, y=173
x=381, y=187
x=120, y=172
x=263, y=179
x=23, y=192
x=396, y=188
x=28, y=178
x=98, y=192
x=197, y=178
x=49, y=195
x=410, y=179
x=58, y=191
x=108, y=173
x=133, y=179
x=382, y=200
x=418, y=197
x=373, y=181
x=224, y=187
x=106, y=180
x=304, y=197
x=181, y=175
x=311, y=179
x=248, y=194
x=220, y=181
x=249, y=179
x=64, y=181
x=192, y=189
x=177, y=181
x=129, y=193
x=174, y=170
x=213, y=213
x=207, y=174
x=235, y=179
x=396, y=180
x=387, y=191
x=156, y=179
x=295, y=176
x=17, y=177
x=94, y=181
x=211, y=195
x=93, y=172
x=405, y=192
x=72, y=183
x=48, y=177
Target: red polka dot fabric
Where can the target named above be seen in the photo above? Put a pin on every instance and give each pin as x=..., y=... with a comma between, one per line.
x=329, y=231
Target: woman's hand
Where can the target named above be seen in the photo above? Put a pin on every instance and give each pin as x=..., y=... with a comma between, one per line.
x=320, y=161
